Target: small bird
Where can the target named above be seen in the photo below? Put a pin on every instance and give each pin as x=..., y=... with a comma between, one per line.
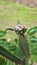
x=23, y=43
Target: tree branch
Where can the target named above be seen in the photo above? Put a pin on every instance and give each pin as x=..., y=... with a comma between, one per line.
x=8, y=55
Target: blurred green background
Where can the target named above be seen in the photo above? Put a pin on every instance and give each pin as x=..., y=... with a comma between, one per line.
x=11, y=13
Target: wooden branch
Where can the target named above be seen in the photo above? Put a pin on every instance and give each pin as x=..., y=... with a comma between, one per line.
x=10, y=56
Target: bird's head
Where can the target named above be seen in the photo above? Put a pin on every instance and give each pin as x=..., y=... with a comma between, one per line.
x=20, y=29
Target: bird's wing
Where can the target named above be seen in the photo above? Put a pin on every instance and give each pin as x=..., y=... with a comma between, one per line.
x=23, y=43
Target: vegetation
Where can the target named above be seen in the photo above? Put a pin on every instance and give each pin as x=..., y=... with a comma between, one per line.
x=10, y=14
x=15, y=49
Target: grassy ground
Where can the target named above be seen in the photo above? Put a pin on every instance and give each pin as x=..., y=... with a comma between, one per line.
x=10, y=13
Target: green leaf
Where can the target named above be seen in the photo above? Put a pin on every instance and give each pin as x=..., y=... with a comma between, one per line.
x=32, y=31
x=9, y=62
x=13, y=48
x=16, y=40
x=2, y=61
x=34, y=53
x=2, y=33
x=4, y=43
x=33, y=39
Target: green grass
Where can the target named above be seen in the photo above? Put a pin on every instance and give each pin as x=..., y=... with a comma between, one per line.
x=10, y=13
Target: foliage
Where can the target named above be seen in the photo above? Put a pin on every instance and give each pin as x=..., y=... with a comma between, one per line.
x=15, y=49
x=10, y=13
x=33, y=42
x=2, y=33
x=2, y=61
x=32, y=31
